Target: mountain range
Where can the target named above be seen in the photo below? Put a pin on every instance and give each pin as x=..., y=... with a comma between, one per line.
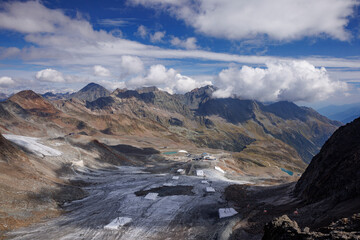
x=343, y=113
x=249, y=129
x=3, y=97
x=254, y=139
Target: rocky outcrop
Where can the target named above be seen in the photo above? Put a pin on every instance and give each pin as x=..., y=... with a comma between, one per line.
x=335, y=171
x=283, y=228
x=175, y=122
x=332, y=180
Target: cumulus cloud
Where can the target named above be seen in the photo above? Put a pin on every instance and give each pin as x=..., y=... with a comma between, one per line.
x=50, y=75
x=278, y=19
x=6, y=82
x=286, y=80
x=157, y=36
x=131, y=65
x=166, y=79
x=189, y=43
x=100, y=71
x=61, y=40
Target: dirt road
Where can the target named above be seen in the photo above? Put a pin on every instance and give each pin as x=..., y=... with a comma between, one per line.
x=121, y=193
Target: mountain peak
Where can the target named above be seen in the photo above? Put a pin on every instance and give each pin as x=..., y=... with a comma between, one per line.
x=91, y=92
x=26, y=94
x=91, y=86
x=33, y=102
x=199, y=95
x=207, y=88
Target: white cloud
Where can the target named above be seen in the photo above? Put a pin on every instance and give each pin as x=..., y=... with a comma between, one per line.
x=100, y=71
x=76, y=79
x=278, y=19
x=189, y=43
x=50, y=75
x=6, y=82
x=166, y=79
x=112, y=85
x=59, y=40
x=157, y=37
x=142, y=31
x=285, y=80
x=30, y=17
x=74, y=42
x=131, y=65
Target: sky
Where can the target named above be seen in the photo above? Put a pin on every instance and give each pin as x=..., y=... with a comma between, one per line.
x=303, y=51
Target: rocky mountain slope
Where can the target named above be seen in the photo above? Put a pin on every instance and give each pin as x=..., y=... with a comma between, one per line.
x=248, y=129
x=22, y=177
x=343, y=113
x=335, y=171
x=329, y=190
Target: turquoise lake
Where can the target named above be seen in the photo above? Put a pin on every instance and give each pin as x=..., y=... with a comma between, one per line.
x=287, y=171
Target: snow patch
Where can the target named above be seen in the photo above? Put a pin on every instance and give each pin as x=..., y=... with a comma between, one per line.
x=227, y=212
x=32, y=144
x=180, y=170
x=219, y=169
x=175, y=177
x=151, y=196
x=204, y=182
x=210, y=189
x=117, y=223
x=182, y=151
x=199, y=173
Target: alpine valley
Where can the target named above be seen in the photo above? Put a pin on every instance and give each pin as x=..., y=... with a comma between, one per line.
x=61, y=155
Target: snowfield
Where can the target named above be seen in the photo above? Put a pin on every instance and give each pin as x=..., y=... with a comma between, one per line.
x=32, y=144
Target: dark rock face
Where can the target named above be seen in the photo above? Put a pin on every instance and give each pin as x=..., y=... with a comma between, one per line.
x=282, y=228
x=100, y=103
x=197, y=96
x=175, y=122
x=286, y=110
x=91, y=92
x=147, y=97
x=231, y=109
x=335, y=171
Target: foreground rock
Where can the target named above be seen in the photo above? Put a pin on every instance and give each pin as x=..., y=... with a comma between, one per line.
x=284, y=228
x=330, y=188
x=335, y=171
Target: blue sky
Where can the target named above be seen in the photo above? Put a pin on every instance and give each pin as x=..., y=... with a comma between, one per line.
x=300, y=50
